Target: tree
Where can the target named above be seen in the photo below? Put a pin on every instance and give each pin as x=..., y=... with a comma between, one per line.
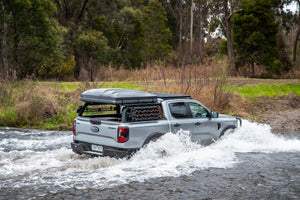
x=255, y=36
x=175, y=13
x=70, y=15
x=94, y=46
x=156, y=33
x=4, y=49
x=126, y=32
x=227, y=16
x=297, y=36
x=31, y=35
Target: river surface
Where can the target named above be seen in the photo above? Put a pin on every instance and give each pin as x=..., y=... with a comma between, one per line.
x=250, y=163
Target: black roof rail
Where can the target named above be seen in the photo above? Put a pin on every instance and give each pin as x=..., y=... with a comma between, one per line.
x=166, y=96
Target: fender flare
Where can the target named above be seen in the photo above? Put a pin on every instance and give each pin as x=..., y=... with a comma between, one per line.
x=225, y=129
x=151, y=137
x=240, y=120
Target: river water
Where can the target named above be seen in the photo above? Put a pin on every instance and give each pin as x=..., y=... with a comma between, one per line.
x=250, y=163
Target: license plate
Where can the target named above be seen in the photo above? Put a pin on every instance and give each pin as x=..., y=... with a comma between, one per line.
x=97, y=148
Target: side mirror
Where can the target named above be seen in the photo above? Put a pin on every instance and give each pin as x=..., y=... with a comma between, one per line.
x=79, y=108
x=214, y=114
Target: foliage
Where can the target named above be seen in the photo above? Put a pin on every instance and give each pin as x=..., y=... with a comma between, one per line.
x=93, y=46
x=33, y=36
x=255, y=36
x=156, y=34
x=223, y=47
x=57, y=39
x=57, y=70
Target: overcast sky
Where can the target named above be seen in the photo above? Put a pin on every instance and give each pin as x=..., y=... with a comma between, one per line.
x=292, y=7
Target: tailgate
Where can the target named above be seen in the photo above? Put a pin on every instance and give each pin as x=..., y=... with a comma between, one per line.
x=96, y=131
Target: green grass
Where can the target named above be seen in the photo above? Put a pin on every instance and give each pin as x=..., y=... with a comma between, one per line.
x=265, y=90
x=69, y=86
x=126, y=85
x=76, y=85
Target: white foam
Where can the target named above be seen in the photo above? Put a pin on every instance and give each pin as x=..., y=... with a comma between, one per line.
x=253, y=137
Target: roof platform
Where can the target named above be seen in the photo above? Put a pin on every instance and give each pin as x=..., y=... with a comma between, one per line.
x=117, y=96
x=125, y=96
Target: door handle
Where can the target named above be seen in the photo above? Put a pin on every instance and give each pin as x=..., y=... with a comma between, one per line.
x=219, y=126
x=177, y=125
x=198, y=124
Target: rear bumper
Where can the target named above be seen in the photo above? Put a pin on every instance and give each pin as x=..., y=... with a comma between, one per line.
x=85, y=148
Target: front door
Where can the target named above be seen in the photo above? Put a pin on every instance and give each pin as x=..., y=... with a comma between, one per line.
x=181, y=117
x=204, y=126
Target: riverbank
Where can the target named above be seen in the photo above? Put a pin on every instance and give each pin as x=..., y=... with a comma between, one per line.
x=53, y=105
x=281, y=113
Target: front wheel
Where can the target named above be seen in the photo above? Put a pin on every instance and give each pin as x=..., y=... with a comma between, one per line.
x=227, y=131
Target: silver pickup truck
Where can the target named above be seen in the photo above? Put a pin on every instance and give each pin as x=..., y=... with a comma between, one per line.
x=118, y=122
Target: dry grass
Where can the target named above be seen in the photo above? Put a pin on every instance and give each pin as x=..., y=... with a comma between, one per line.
x=203, y=82
x=50, y=106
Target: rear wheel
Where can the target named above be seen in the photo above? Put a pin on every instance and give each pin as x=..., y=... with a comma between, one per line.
x=152, y=139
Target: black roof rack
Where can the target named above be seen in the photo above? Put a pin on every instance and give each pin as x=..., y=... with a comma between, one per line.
x=166, y=96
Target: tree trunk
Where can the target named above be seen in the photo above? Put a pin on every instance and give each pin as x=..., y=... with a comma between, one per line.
x=80, y=14
x=191, y=27
x=297, y=37
x=180, y=23
x=252, y=69
x=90, y=64
x=201, y=40
x=231, y=65
x=15, y=51
x=4, y=50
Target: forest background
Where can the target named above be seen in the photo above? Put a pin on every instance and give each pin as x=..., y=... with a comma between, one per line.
x=80, y=39
x=53, y=50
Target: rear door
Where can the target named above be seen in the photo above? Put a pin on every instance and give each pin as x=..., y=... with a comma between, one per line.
x=95, y=131
x=96, y=124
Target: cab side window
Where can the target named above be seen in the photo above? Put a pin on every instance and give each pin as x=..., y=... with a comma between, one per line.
x=198, y=111
x=179, y=110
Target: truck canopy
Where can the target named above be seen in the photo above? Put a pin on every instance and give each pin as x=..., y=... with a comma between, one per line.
x=117, y=96
x=125, y=96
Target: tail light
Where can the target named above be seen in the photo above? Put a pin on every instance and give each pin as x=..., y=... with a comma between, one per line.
x=74, y=127
x=123, y=134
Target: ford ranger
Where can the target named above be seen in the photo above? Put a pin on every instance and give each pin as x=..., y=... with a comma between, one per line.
x=118, y=122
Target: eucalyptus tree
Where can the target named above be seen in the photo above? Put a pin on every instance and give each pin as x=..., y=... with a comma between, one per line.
x=177, y=12
x=297, y=35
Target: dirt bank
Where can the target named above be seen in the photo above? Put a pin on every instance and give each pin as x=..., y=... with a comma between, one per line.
x=284, y=121
x=282, y=113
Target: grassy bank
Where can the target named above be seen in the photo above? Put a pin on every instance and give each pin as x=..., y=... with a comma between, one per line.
x=45, y=105
x=53, y=105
